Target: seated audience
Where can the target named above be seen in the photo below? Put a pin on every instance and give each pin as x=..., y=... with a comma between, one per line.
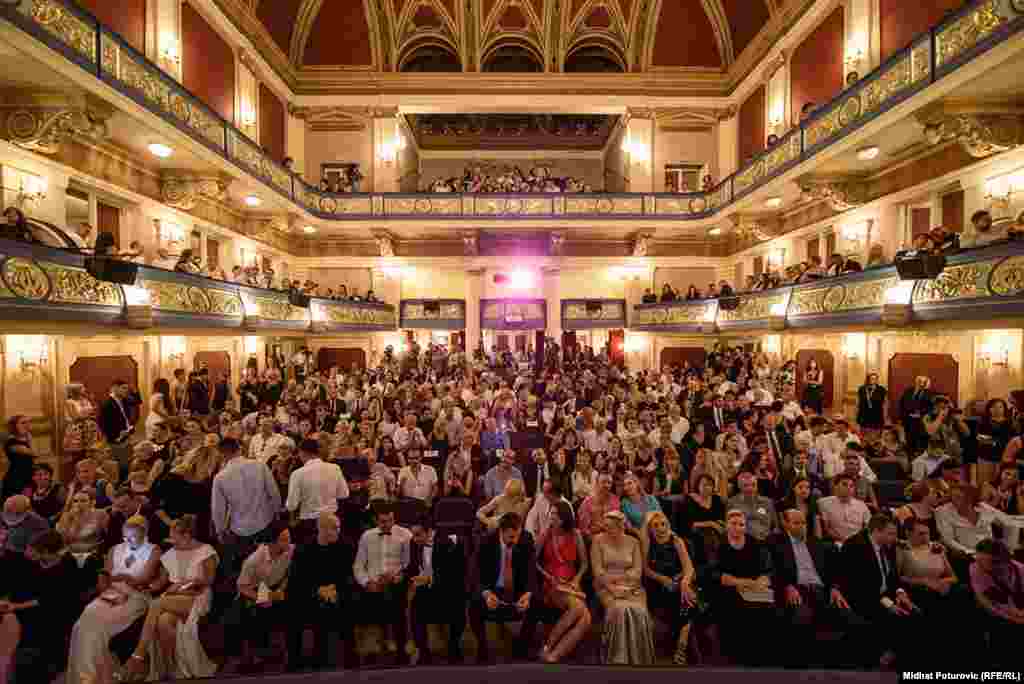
x=842, y=514
x=670, y=576
x=437, y=579
x=760, y=510
x=744, y=602
x=998, y=583
x=562, y=562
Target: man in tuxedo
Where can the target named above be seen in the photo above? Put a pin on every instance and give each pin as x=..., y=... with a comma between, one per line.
x=915, y=403
x=804, y=583
x=437, y=570
x=872, y=587
x=116, y=423
x=506, y=587
x=535, y=473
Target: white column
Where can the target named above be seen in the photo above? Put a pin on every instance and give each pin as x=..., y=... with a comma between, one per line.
x=640, y=153
x=777, y=104
x=728, y=146
x=888, y=230
x=552, y=283
x=247, y=101
x=474, y=292
x=386, y=173
x=295, y=138
x=858, y=38
x=386, y=286
x=167, y=44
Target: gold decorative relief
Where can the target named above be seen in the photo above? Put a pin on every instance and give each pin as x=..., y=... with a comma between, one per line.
x=604, y=205
x=956, y=282
x=1007, y=279
x=967, y=31
x=64, y=25
x=782, y=154
x=516, y=206
x=357, y=315
x=75, y=286
x=867, y=295
x=224, y=303
x=257, y=162
x=25, y=278
x=749, y=176
x=609, y=311
x=753, y=308
x=492, y=311
x=674, y=205
x=275, y=309
x=420, y=206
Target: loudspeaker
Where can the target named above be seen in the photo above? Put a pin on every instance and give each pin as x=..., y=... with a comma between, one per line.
x=298, y=299
x=728, y=303
x=917, y=265
x=112, y=270
x=538, y=348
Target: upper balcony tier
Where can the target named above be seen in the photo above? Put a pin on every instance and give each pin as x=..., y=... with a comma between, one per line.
x=45, y=286
x=983, y=284
x=63, y=27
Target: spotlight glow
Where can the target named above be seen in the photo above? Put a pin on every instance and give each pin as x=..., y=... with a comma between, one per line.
x=160, y=150
x=868, y=153
x=253, y=201
x=520, y=280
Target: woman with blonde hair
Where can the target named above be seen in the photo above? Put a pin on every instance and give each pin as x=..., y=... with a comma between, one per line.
x=130, y=568
x=512, y=500
x=80, y=433
x=82, y=526
x=669, y=572
x=188, y=487
x=170, y=636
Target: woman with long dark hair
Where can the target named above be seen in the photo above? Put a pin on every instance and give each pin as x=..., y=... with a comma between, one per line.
x=814, y=393
x=562, y=562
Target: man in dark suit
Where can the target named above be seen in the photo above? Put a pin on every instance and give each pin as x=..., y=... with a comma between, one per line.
x=780, y=441
x=872, y=587
x=535, y=473
x=116, y=423
x=437, y=571
x=915, y=404
x=506, y=587
x=804, y=584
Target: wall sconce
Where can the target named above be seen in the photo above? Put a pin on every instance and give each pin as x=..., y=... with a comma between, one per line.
x=853, y=343
x=776, y=257
x=31, y=352
x=251, y=344
x=170, y=232
x=28, y=187
x=628, y=273
x=634, y=344
x=248, y=114
x=854, y=56
x=170, y=51
x=999, y=191
x=174, y=349
x=994, y=354
x=636, y=150
x=771, y=344
x=856, y=232
x=387, y=153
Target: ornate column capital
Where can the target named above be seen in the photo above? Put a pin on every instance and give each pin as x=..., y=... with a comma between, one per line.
x=748, y=228
x=556, y=243
x=841, y=194
x=42, y=122
x=470, y=244
x=385, y=243
x=641, y=244
x=182, y=190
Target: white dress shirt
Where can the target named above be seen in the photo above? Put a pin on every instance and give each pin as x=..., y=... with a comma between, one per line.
x=844, y=519
x=405, y=438
x=315, y=488
x=419, y=485
x=957, y=531
x=381, y=554
x=680, y=428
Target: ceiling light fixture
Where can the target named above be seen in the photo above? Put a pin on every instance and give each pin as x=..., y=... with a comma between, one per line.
x=253, y=201
x=867, y=153
x=309, y=229
x=773, y=202
x=160, y=150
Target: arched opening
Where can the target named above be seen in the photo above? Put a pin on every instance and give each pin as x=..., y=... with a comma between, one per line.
x=593, y=59
x=513, y=58
x=430, y=58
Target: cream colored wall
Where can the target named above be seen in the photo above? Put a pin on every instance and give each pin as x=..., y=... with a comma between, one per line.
x=672, y=147
x=422, y=283
x=601, y=283
x=359, y=278
x=339, y=146
x=681, y=278
x=616, y=170
x=409, y=168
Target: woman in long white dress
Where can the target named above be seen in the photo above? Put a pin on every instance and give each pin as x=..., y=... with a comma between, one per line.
x=160, y=407
x=131, y=567
x=170, y=637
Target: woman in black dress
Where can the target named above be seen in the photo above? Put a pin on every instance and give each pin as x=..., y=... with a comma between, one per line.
x=814, y=394
x=669, y=576
x=744, y=571
x=701, y=518
x=20, y=459
x=44, y=601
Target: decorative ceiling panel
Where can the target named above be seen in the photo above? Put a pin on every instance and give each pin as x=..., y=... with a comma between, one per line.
x=511, y=131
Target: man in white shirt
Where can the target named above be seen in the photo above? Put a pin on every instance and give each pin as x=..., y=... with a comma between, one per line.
x=953, y=519
x=544, y=508
x=757, y=395
x=598, y=439
x=791, y=409
x=409, y=436
x=842, y=515
x=265, y=443
x=415, y=480
x=680, y=426
x=313, y=489
x=381, y=561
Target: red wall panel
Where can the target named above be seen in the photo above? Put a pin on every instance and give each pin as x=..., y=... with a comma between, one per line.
x=208, y=63
x=124, y=17
x=272, y=123
x=817, y=65
x=902, y=21
x=751, y=125
x=942, y=369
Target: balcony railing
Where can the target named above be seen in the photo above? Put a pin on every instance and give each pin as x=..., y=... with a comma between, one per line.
x=979, y=284
x=75, y=33
x=42, y=283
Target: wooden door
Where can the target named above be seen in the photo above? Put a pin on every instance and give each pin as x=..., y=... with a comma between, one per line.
x=341, y=358
x=520, y=343
x=213, y=253
x=758, y=265
x=943, y=370
x=826, y=362
x=108, y=219
x=813, y=248
x=502, y=341
x=218, y=363
x=617, y=347
x=676, y=356
x=920, y=221
x=98, y=373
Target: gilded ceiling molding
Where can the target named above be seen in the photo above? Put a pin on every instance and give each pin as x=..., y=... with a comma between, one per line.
x=645, y=41
x=840, y=194
x=309, y=10
x=782, y=20
x=686, y=119
x=332, y=119
x=575, y=31
x=720, y=24
x=378, y=48
x=981, y=135
x=532, y=35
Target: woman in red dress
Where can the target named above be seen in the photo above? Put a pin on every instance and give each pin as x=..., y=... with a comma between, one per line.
x=562, y=562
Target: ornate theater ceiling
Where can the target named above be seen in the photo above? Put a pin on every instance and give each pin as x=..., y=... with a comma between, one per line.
x=511, y=131
x=319, y=41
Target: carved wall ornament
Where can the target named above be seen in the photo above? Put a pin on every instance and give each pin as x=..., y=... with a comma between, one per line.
x=641, y=244
x=470, y=244
x=385, y=244
x=982, y=135
x=44, y=130
x=557, y=243
x=183, y=192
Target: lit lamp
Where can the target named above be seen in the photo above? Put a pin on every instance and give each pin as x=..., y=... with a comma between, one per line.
x=999, y=191
x=777, y=316
x=853, y=343
x=387, y=153
x=170, y=52
x=32, y=353
x=174, y=349
x=994, y=355
x=248, y=114
x=171, y=233
x=854, y=56
x=896, y=311
x=27, y=187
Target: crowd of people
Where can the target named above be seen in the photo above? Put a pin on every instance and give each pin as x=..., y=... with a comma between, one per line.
x=465, y=491
x=537, y=179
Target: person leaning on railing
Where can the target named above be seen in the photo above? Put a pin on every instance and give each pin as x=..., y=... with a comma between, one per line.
x=15, y=226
